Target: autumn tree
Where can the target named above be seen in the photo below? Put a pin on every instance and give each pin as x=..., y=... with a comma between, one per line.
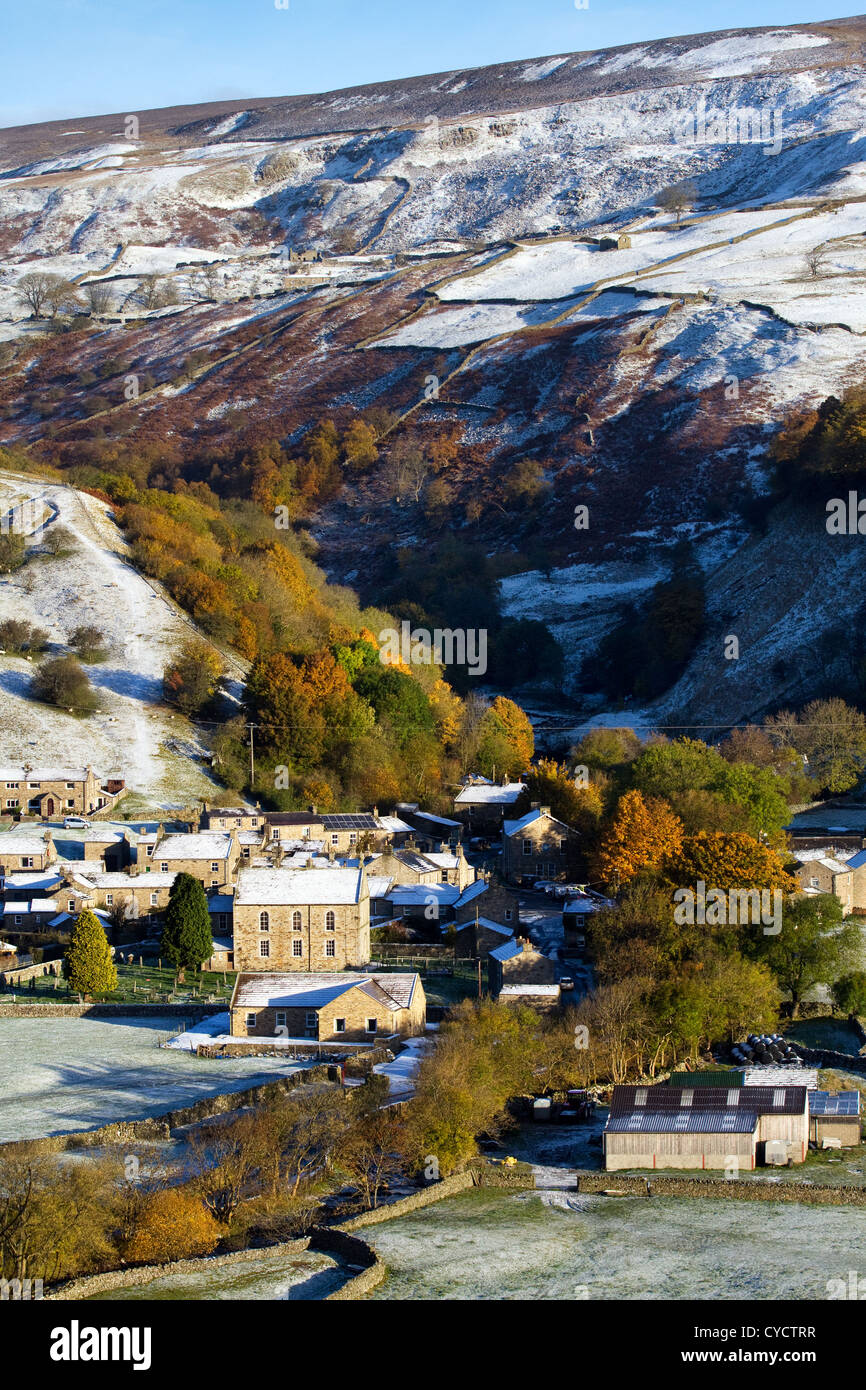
x=550, y=784
x=644, y=834
x=174, y=1224
x=727, y=860
x=62, y=681
x=506, y=741
x=87, y=962
x=192, y=676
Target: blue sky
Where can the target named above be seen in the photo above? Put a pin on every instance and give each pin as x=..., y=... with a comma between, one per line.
x=98, y=56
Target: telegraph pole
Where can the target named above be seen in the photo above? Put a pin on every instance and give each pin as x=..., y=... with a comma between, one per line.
x=251, y=727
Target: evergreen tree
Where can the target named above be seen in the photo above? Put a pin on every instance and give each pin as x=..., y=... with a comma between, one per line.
x=87, y=964
x=186, y=935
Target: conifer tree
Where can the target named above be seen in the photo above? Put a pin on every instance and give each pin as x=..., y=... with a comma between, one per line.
x=87, y=964
x=186, y=935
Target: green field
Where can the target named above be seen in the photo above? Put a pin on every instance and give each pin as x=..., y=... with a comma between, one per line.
x=147, y=984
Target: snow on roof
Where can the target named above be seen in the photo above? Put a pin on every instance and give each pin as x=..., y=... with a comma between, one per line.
x=21, y=844
x=311, y=991
x=278, y=887
x=42, y=774
x=472, y=891
x=582, y=905
x=512, y=827
x=508, y=951
x=781, y=1076
x=399, y=986
x=379, y=884
x=489, y=924
x=480, y=795
x=436, y=820
x=394, y=825
x=409, y=893
x=32, y=882
x=6, y=948
x=121, y=880
x=544, y=991
x=206, y=844
x=828, y=861
x=441, y=860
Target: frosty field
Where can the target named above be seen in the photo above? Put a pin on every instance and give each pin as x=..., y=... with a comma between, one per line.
x=559, y=1245
x=64, y=1074
x=299, y=1277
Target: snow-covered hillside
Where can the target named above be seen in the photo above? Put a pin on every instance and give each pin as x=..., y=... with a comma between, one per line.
x=459, y=221
x=132, y=735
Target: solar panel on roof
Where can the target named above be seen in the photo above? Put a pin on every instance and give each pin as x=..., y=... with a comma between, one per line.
x=845, y=1103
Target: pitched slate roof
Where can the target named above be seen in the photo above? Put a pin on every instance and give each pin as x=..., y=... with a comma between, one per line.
x=479, y=795
x=290, y=887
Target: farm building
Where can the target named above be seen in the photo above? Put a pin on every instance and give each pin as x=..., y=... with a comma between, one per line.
x=689, y=1127
x=622, y=242
x=834, y=1117
x=343, y=1008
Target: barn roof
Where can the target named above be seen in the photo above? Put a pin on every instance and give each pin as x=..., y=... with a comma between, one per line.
x=767, y=1100
x=684, y=1122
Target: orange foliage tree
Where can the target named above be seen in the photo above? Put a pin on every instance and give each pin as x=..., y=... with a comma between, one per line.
x=728, y=859
x=644, y=834
x=174, y=1224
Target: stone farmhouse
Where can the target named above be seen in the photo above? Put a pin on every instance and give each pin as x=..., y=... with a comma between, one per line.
x=537, y=846
x=19, y=851
x=48, y=792
x=518, y=963
x=350, y=1008
x=301, y=919
x=824, y=873
x=226, y=818
x=477, y=937
x=209, y=856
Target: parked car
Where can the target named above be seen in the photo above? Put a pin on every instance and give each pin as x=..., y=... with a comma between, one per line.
x=76, y=823
x=566, y=982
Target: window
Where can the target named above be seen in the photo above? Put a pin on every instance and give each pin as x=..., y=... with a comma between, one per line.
x=70, y=906
x=214, y=868
x=330, y=921
x=312, y=1019
x=281, y=1018
x=27, y=862
x=254, y=822
x=18, y=919
x=70, y=805
x=339, y=1025
x=109, y=900
x=563, y=847
x=154, y=899
x=223, y=921
x=372, y=1025
x=11, y=786
x=164, y=868
x=251, y=1021
x=353, y=838
x=527, y=846
x=12, y=804
x=264, y=921
x=444, y=875
x=296, y=921
x=813, y=883
x=275, y=834
x=246, y=851
x=297, y=948
x=509, y=913
x=70, y=786
x=330, y=948
x=264, y=948
x=335, y=838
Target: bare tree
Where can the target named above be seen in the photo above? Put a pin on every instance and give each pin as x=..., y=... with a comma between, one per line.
x=39, y=290
x=98, y=297
x=155, y=293
x=677, y=197
x=408, y=467
x=816, y=262
x=206, y=283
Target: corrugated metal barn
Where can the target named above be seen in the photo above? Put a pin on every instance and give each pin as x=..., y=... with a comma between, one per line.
x=705, y=1126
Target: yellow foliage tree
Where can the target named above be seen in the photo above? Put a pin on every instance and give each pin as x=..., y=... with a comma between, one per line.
x=728, y=859
x=173, y=1225
x=644, y=834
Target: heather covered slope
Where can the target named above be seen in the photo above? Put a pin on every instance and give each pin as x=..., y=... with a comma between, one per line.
x=463, y=290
